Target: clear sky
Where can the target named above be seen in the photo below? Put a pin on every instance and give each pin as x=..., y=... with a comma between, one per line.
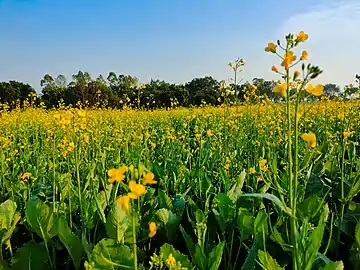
x=173, y=40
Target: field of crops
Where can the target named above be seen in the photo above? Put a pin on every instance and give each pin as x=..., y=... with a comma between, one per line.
x=62, y=204
x=260, y=185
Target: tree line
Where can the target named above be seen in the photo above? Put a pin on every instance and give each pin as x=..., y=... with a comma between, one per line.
x=119, y=91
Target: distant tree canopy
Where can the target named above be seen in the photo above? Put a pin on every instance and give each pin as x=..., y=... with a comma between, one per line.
x=13, y=91
x=119, y=91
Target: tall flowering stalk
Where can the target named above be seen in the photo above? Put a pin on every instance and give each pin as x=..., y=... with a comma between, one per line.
x=237, y=67
x=293, y=87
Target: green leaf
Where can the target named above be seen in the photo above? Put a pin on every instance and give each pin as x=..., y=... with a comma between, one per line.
x=277, y=237
x=117, y=222
x=215, y=256
x=108, y=254
x=357, y=234
x=70, y=241
x=334, y=266
x=170, y=221
x=313, y=243
x=31, y=256
x=168, y=249
x=310, y=206
x=235, y=191
x=261, y=227
x=188, y=241
x=270, y=197
x=40, y=218
x=353, y=191
x=245, y=223
x=164, y=200
x=226, y=206
x=355, y=251
x=101, y=204
x=267, y=262
x=7, y=212
x=200, y=257
x=7, y=234
x=250, y=261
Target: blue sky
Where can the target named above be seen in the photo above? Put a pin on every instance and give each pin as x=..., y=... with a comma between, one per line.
x=174, y=40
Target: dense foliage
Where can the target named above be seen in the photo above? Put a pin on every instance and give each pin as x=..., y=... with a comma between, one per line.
x=59, y=208
x=120, y=91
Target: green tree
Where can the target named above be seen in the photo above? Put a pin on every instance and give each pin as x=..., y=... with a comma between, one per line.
x=53, y=89
x=203, y=90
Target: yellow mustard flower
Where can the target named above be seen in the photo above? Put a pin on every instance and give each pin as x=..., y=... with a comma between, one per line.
x=271, y=47
x=275, y=69
x=347, y=134
x=137, y=190
x=152, y=229
x=289, y=58
x=280, y=89
x=298, y=116
x=124, y=202
x=302, y=36
x=310, y=138
x=171, y=260
x=304, y=55
x=209, y=133
x=259, y=179
x=25, y=176
x=318, y=90
x=81, y=113
x=148, y=178
x=117, y=175
x=262, y=164
x=252, y=170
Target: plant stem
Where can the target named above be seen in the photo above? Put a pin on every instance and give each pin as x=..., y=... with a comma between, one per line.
x=134, y=240
x=342, y=200
x=290, y=171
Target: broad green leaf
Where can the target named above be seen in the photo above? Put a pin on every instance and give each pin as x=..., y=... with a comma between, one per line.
x=277, y=237
x=334, y=266
x=250, y=261
x=267, y=262
x=40, y=218
x=215, y=256
x=170, y=221
x=357, y=234
x=261, y=228
x=245, y=223
x=225, y=205
x=310, y=206
x=353, y=191
x=167, y=249
x=164, y=200
x=313, y=243
x=30, y=257
x=270, y=197
x=108, y=254
x=7, y=234
x=235, y=191
x=189, y=243
x=7, y=212
x=117, y=222
x=70, y=241
x=200, y=258
x=355, y=251
x=101, y=204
